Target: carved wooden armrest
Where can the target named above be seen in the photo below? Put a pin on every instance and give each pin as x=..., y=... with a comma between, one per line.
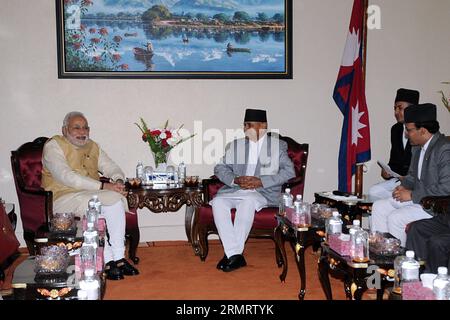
x=437, y=204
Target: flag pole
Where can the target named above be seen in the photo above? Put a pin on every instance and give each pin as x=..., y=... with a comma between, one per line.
x=360, y=167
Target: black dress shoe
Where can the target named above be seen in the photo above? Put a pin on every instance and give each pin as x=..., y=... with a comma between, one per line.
x=234, y=262
x=126, y=268
x=112, y=271
x=222, y=262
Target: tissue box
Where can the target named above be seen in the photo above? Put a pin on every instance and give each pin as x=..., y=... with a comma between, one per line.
x=415, y=291
x=340, y=243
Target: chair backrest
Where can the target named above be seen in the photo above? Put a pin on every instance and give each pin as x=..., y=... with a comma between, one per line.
x=298, y=153
x=299, y=156
x=26, y=164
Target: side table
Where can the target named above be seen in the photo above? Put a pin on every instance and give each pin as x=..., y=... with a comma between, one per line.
x=349, y=209
x=355, y=275
x=299, y=238
x=168, y=198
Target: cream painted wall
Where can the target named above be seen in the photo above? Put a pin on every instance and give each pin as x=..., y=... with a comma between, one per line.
x=411, y=50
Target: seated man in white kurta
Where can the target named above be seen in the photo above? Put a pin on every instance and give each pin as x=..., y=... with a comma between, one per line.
x=253, y=170
x=71, y=166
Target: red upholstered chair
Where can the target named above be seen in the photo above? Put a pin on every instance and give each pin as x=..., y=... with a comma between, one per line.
x=36, y=204
x=265, y=222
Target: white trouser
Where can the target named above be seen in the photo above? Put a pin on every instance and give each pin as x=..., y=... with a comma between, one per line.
x=233, y=236
x=383, y=190
x=115, y=221
x=389, y=215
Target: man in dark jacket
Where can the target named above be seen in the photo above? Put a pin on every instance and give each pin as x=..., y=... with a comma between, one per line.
x=430, y=240
x=400, y=155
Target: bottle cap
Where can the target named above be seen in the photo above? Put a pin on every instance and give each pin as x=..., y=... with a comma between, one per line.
x=95, y=197
x=287, y=190
x=410, y=254
x=356, y=222
x=299, y=197
x=442, y=270
x=335, y=214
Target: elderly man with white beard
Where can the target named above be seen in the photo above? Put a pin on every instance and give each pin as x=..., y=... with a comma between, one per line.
x=71, y=166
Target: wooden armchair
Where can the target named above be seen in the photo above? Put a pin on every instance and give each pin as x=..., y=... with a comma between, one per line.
x=36, y=204
x=265, y=222
x=439, y=205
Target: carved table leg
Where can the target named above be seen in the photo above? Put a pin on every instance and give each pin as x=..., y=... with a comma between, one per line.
x=380, y=292
x=324, y=268
x=348, y=287
x=359, y=283
x=299, y=254
x=279, y=240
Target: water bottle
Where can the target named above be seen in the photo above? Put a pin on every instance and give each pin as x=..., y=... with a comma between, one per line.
x=410, y=271
x=91, y=285
x=97, y=204
x=360, y=246
x=440, y=284
x=92, y=217
x=398, y=274
x=181, y=172
x=286, y=201
x=303, y=212
x=352, y=232
x=298, y=200
x=334, y=225
x=140, y=170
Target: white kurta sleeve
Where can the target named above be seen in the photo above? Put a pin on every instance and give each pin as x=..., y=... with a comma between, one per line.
x=108, y=167
x=54, y=160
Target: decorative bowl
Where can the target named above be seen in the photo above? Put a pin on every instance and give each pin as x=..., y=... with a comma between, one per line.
x=52, y=260
x=63, y=222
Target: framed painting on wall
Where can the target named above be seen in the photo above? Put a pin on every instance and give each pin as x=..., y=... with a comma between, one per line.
x=212, y=39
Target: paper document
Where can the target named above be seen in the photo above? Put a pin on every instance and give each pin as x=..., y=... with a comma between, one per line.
x=388, y=169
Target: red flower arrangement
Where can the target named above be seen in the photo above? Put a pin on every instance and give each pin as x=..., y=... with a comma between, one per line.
x=161, y=140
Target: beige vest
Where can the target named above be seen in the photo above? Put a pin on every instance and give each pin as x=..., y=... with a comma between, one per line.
x=83, y=160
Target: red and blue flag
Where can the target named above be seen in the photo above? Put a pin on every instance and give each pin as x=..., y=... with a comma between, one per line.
x=350, y=97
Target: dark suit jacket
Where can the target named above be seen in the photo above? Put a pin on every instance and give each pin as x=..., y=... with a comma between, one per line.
x=435, y=176
x=400, y=157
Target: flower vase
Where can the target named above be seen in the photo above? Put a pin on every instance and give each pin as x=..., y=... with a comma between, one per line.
x=160, y=161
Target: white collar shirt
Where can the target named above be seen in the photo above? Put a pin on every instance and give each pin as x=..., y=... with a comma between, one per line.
x=422, y=155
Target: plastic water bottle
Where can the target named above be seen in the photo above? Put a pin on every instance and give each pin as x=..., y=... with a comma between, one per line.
x=181, y=172
x=91, y=285
x=140, y=170
x=398, y=274
x=352, y=232
x=440, y=284
x=334, y=225
x=92, y=216
x=410, y=269
x=97, y=204
x=360, y=245
x=286, y=201
x=298, y=200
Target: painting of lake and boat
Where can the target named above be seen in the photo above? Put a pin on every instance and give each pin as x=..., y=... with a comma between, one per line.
x=175, y=38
